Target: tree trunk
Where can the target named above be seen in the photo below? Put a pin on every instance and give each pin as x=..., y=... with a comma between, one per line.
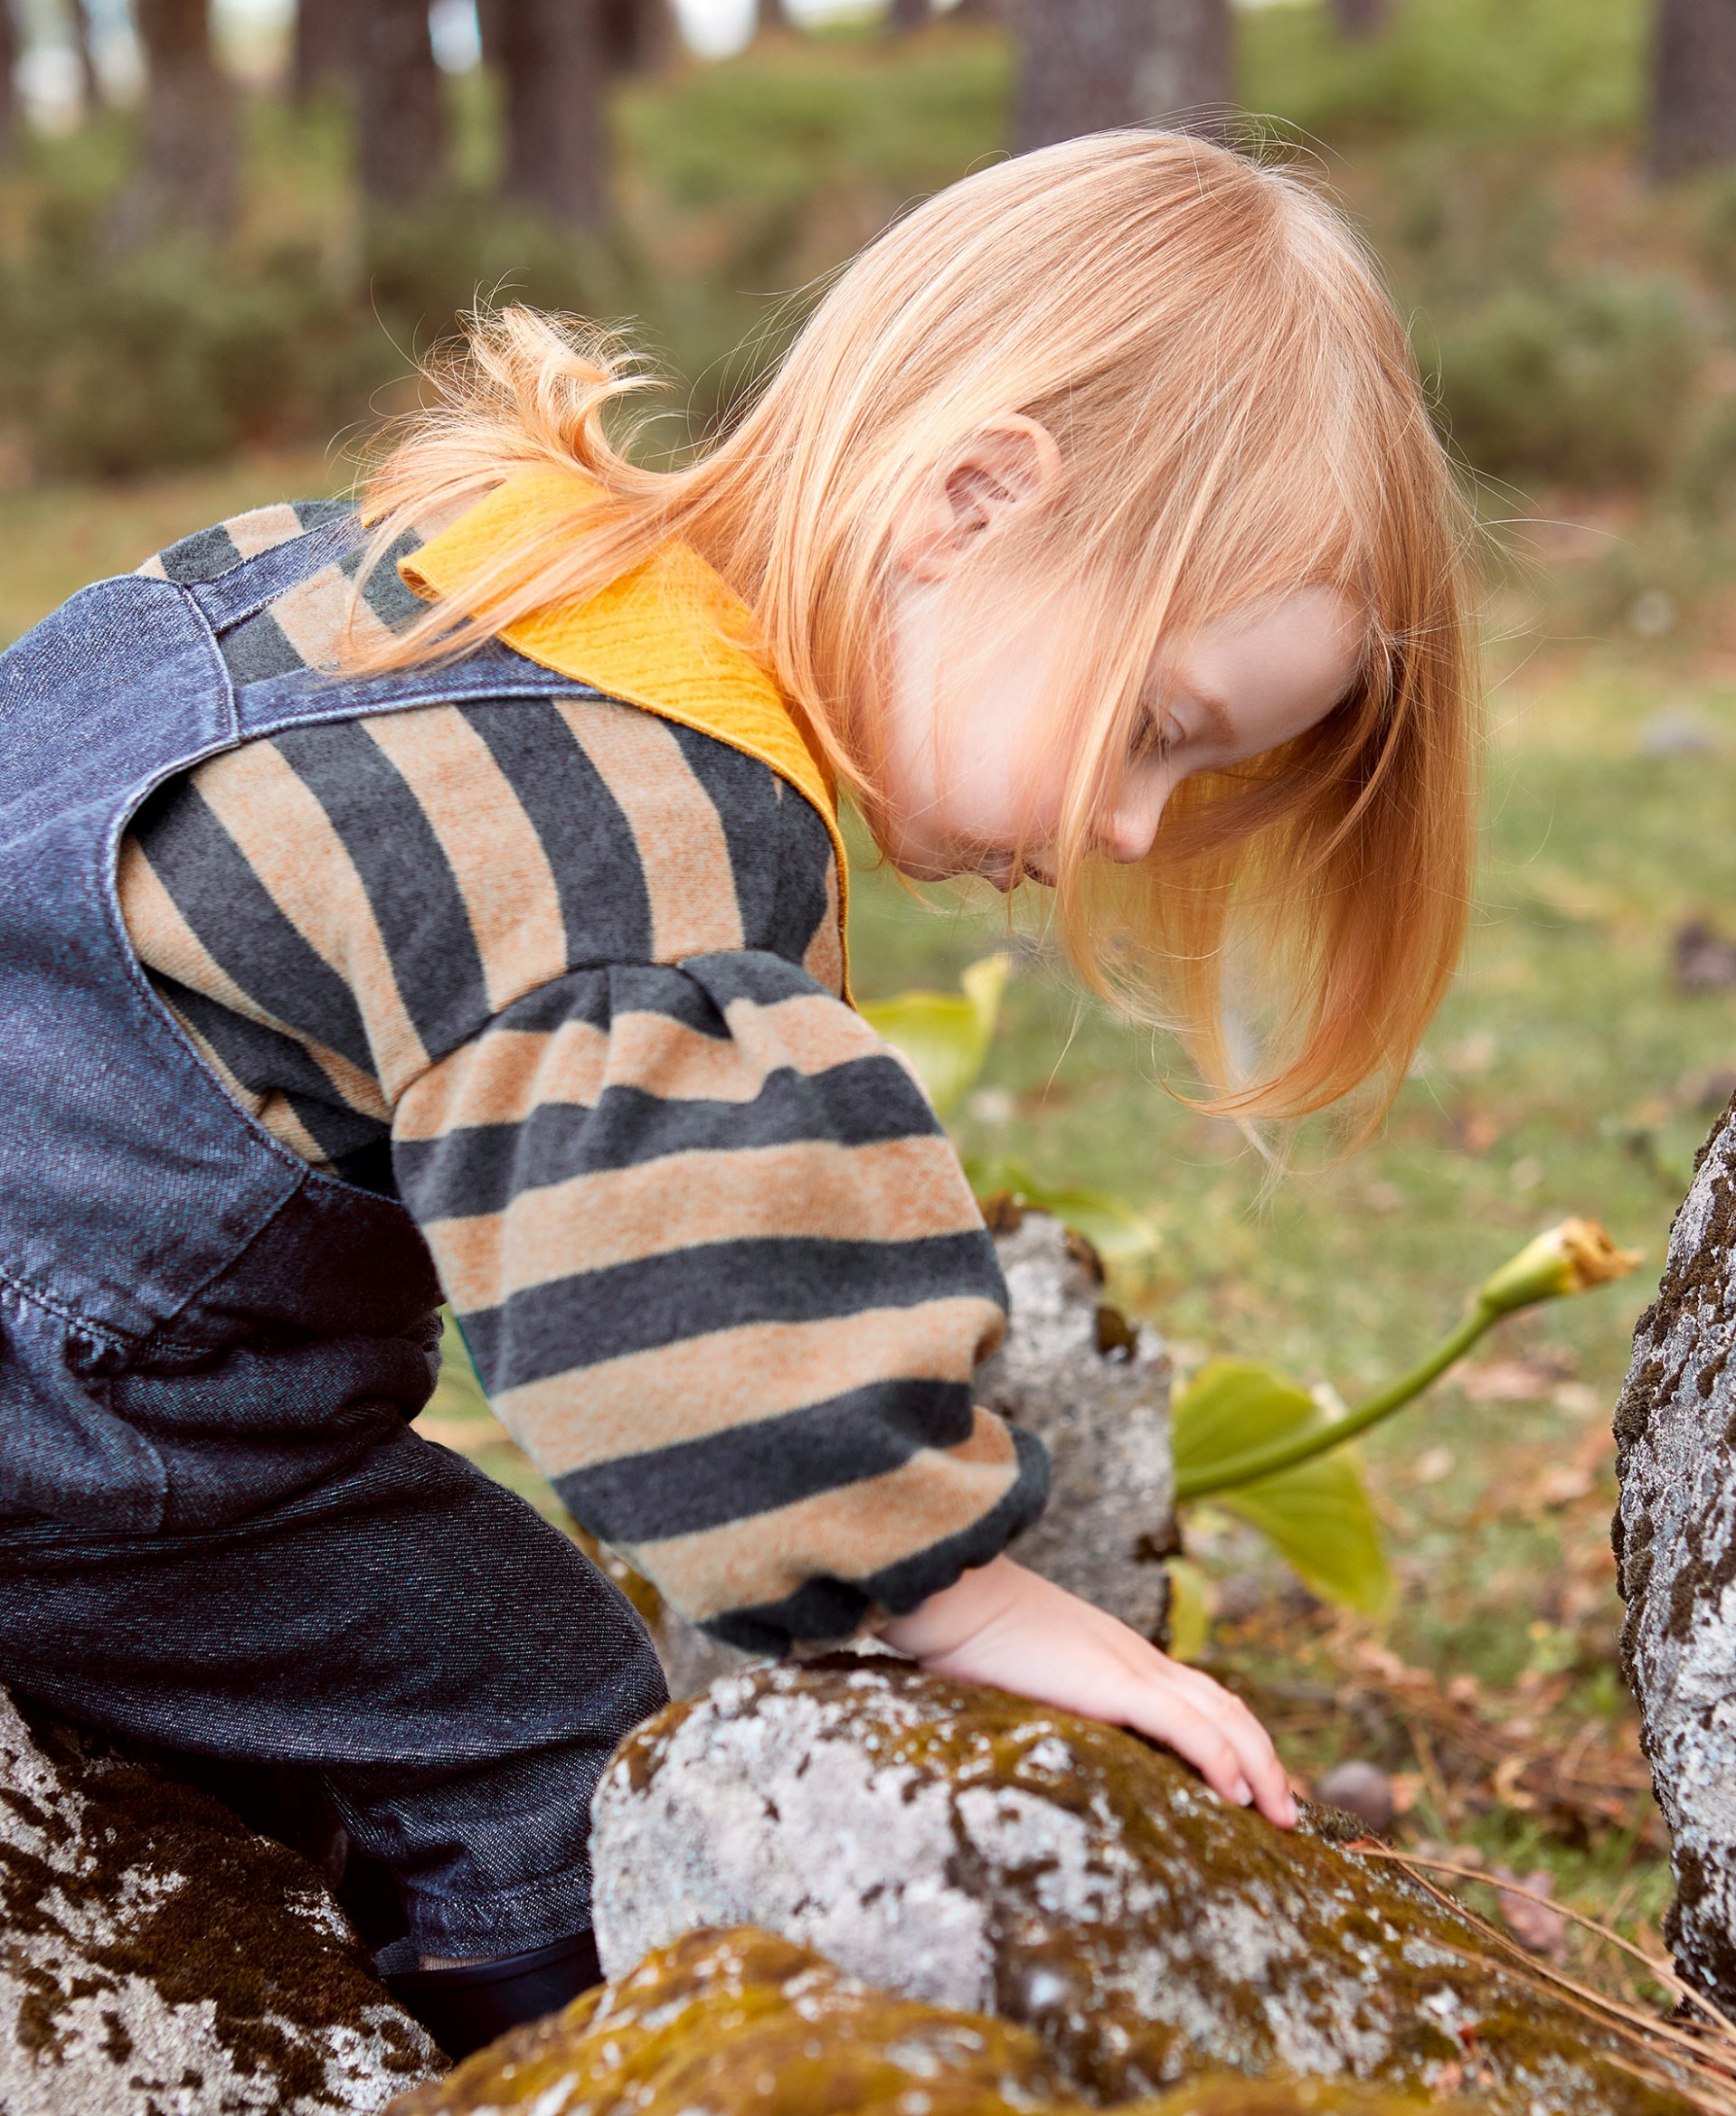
x=189, y=171
x=9, y=111
x=1092, y=65
x=401, y=119
x=1694, y=85
x=491, y=16
x=905, y=16
x=77, y=24
x=323, y=53
x=1360, y=18
x=554, y=57
x=639, y=36
x=978, y=11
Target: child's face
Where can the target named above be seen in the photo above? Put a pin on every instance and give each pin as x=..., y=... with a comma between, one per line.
x=978, y=790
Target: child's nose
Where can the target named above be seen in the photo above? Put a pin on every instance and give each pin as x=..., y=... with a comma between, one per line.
x=1130, y=828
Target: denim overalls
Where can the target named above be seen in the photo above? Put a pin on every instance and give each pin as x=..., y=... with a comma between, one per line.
x=218, y=1532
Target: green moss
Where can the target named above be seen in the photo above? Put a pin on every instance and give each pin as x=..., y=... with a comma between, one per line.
x=741, y=2020
x=199, y=1935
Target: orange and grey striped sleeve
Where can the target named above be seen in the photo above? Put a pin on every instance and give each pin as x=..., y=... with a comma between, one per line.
x=566, y=979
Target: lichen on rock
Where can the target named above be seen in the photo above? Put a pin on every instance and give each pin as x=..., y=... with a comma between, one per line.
x=156, y=1956
x=744, y=2024
x=971, y=1850
x=1094, y=1388
x=1676, y=1544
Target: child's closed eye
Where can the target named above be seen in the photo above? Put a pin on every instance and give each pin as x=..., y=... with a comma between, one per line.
x=1153, y=738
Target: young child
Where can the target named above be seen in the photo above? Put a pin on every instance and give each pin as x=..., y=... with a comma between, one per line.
x=453, y=907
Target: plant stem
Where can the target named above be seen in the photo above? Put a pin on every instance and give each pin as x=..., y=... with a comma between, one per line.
x=1318, y=1439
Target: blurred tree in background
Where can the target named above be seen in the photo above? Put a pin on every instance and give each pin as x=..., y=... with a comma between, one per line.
x=400, y=120
x=9, y=111
x=189, y=168
x=321, y=46
x=553, y=55
x=1089, y=64
x=231, y=259
x=78, y=22
x=1694, y=94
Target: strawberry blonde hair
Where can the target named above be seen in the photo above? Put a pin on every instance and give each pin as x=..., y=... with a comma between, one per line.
x=1238, y=415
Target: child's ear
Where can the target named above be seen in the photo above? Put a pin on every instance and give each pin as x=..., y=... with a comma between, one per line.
x=1009, y=464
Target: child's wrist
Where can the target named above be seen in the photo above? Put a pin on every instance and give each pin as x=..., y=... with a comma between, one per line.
x=943, y=1623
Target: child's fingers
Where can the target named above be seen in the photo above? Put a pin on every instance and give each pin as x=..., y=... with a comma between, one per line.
x=1169, y=1717
x=1265, y=1774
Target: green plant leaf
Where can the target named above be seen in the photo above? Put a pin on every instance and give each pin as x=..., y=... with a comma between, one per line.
x=1316, y=1515
x=944, y=1035
x=1190, y=1615
x=1319, y=1519
x=1232, y=1405
x=458, y=1392
x=1119, y=1232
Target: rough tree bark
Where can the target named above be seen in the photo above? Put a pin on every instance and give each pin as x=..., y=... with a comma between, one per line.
x=1694, y=85
x=77, y=24
x=189, y=169
x=1361, y=18
x=1089, y=64
x=904, y=15
x=401, y=119
x=554, y=56
x=323, y=51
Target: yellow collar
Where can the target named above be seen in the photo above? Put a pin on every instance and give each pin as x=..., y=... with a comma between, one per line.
x=667, y=637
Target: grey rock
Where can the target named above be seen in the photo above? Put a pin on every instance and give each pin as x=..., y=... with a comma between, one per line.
x=1676, y=1545
x=971, y=1850
x=157, y=1958
x=1094, y=1388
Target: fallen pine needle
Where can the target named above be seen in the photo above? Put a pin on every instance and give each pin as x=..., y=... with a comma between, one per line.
x=1709, y=2054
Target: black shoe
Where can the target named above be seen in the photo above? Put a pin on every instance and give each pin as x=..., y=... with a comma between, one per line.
x=463, y=2009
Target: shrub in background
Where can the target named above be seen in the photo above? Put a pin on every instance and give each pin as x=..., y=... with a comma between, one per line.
x=1585, y=383
x=111, y=365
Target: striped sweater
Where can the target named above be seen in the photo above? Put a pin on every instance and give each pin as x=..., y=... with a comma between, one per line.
x=566, y=979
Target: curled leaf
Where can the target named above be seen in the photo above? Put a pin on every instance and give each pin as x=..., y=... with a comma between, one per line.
x=1569, y=1259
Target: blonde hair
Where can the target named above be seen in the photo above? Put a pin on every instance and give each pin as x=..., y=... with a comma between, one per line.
x=1238, y=415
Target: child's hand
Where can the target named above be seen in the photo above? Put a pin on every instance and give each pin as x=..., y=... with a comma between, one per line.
x=1015, y=1630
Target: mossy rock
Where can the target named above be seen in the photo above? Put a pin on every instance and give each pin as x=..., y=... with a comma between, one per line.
x=744, y=2024
x=971, y=1850
x=158, y=1956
